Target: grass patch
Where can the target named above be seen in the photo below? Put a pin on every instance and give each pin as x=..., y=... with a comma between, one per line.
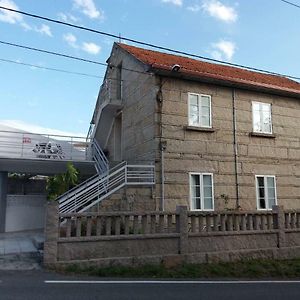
x=240, y=269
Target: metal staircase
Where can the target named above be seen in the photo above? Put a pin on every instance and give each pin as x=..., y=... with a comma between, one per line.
x=105, y=183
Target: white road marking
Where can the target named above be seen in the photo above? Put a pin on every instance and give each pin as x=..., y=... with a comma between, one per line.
x=168, y=282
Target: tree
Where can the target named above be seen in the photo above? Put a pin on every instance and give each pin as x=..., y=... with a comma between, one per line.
x=59, y=184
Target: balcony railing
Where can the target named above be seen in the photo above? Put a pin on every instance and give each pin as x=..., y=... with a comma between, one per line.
x=44, y=146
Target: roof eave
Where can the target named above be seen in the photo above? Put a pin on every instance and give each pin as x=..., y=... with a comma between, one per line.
x=242, y=84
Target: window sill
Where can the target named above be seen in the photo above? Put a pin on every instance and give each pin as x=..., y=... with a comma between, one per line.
x=260, y=134
x=203, y=129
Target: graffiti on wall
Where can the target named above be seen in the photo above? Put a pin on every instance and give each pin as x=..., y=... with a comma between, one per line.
x=50, y=150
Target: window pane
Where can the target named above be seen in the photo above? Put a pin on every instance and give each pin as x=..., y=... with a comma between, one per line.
x=272, y=201
x=260, y=181
x=205, y=111
x=267, y=122
x=194, y=110
x=262, y=121
x=255, y=106
x=262, y=203
x=261, y=192
x=195, y=179
x=270, y=182
x=205, y=101
x=271, y=191
x=256, y=121
x=205, y=121
x=193, y=99
x=195, y=192
x=194, y=119
x=207, y=180
x=207, y=192
x=208, y=203
x=197, y=203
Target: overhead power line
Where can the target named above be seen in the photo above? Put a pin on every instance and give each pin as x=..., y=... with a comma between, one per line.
x=290, y=3
x=49, y=69
x=144, y=43
x=53, y=53
x=66, y=56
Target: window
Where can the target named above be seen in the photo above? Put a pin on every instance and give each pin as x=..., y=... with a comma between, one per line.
x=265, y=192
x=201, y=191
x=199, y=110
x=262, y=118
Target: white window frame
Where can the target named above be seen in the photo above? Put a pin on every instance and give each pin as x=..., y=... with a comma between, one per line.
x=271, y=123
x=265, y=190
x=201, y=191
x=210, y=119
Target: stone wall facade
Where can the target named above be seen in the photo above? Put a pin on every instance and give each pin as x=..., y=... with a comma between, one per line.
x=212, y=151
x=155, y=113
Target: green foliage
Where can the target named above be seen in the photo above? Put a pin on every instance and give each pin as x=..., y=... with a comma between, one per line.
x=59, y=184
x=240, y=269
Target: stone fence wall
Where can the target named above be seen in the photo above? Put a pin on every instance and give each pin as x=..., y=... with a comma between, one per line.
x=131, y=238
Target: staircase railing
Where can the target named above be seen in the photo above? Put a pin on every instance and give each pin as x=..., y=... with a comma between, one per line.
x=98, y=187
x=101, y=162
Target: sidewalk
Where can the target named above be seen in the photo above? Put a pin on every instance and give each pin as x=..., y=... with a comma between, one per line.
x=21, y=250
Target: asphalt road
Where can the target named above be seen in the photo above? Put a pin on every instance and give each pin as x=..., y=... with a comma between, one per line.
x=46, y=285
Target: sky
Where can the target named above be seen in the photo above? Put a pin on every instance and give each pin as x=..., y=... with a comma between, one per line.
x=259, y=33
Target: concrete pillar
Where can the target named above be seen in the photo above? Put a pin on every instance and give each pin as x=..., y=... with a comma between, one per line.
x=280, y=224
x=3, y=200
x=51, y=234
x=182, y=228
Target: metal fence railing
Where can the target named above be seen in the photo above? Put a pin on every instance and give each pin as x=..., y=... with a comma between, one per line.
x=99, y=187
x=43, y=146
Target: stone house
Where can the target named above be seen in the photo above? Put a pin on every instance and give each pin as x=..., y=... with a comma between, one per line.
x=219, y=136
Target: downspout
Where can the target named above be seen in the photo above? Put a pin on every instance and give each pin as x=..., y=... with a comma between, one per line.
x=162, y=146
x=235, y=147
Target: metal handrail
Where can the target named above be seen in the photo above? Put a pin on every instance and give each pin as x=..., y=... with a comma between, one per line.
x=28, y=145
x=88, y=184
x=98, y=188
x=94, y=191
x=45, y=134
x=99, y=158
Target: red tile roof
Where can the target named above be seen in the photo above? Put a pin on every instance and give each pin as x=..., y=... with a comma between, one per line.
x=211, y=71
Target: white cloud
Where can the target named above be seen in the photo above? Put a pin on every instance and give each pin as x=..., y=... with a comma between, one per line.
x=15, y=18
x=9, y=16
x=88, y=8
x=175, y=2
x=68, y=18
x=33, y=128
x=26, y=26
x=70, y=39
x=91, y=48
x=194, y=8
x=220, y=11
x=223, y=50
x=44, y=29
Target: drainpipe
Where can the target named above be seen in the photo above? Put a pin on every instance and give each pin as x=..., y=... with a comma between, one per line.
x=163, y=146
x=235, y=147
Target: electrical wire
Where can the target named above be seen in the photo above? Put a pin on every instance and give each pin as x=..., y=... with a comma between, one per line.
x=145, y=43
x=66, y=56
x=53, y=53
x=290, y=3
x=49, y=69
